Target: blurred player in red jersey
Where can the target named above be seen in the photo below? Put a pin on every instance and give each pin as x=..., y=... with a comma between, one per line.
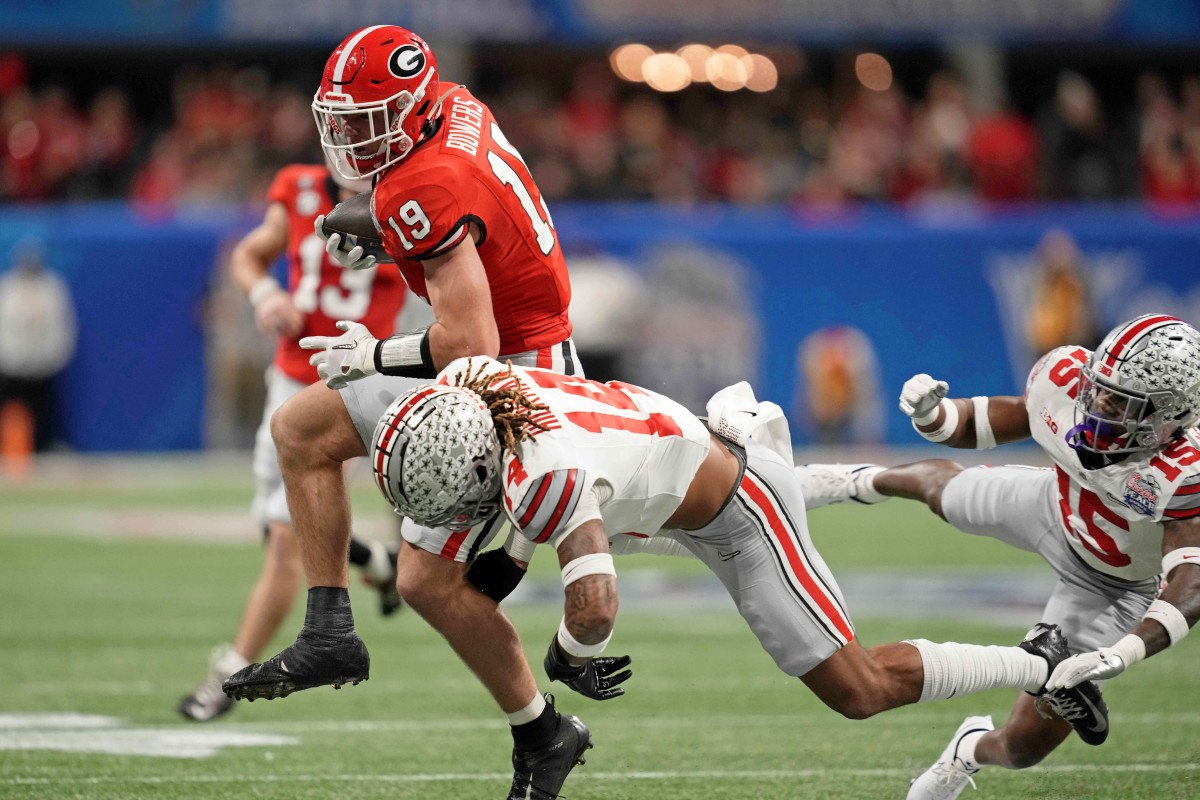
x=1119, y=510
x=464, y=221
x=319, y=292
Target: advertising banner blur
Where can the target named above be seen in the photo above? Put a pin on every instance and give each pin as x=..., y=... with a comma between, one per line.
x=112, y=22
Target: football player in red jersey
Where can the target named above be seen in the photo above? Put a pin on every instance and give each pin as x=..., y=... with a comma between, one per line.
x=320, y=291
x=464, y=221
x=1119, y=510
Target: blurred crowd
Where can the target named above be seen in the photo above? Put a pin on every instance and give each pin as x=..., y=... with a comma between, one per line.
x=593, y=136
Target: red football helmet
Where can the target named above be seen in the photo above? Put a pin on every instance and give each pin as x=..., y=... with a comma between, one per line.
x=379, y=88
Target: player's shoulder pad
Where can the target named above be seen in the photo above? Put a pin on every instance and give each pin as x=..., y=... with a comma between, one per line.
x=541, y=504
x=1050, y=360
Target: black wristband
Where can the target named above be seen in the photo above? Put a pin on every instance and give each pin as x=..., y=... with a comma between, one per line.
x=406, y=355
x=556, y=665
x=328, y=609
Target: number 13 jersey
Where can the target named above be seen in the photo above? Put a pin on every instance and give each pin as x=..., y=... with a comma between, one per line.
x=467, y=174
x=1113, y=516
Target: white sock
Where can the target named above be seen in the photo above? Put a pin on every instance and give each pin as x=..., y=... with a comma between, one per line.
x=953, y=669
x=529, y=713
x=864, y=485
x=966, y=749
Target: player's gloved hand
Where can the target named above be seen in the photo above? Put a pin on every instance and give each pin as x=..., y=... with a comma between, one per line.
x=921, y=395
x=598, y=679
x=354, y=258
x=344, y=358
x=1098, y=665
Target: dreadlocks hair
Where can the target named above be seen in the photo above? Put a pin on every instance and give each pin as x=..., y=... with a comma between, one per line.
x=512, y=412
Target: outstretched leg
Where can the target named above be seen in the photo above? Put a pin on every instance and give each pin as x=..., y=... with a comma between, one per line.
x=924, y=481
x=314, y=436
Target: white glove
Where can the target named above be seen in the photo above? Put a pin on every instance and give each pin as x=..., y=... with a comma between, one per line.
x=353, y=258
x=1097, y=665
x=344, y=358
x=921, y=395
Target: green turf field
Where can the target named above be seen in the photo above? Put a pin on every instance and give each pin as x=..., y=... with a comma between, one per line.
x=105, y=620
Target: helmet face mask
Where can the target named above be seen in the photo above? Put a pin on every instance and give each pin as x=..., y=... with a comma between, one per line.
x=1140, y=389
x=378, y=90
x=436, y=457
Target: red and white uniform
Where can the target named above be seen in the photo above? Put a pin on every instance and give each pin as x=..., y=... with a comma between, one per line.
x=321, y=289
x=324, y=291
x=1112, y=516
x=468, y=173
x=626, y=456
x=1100, y=530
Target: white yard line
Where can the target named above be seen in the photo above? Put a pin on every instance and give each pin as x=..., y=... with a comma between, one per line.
x=582, y=776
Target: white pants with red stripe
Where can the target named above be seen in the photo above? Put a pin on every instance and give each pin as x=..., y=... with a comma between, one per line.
x=760, y=549
x=367, y=399
x=1019, y=505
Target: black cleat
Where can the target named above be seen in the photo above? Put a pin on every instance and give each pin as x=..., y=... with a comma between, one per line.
x=314, y=659
x=1082, y=706
x=539, y=774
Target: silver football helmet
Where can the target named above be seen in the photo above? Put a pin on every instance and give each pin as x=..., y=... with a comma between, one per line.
x=436, y=457
x=1140, y=388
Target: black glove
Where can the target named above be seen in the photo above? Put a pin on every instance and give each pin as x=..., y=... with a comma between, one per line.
x=597, y=679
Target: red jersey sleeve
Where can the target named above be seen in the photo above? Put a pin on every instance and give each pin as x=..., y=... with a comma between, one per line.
x=428, y=216
x=283, y=188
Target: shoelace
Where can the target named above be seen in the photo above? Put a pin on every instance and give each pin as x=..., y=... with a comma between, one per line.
x=1065, y=707
x=950, y=778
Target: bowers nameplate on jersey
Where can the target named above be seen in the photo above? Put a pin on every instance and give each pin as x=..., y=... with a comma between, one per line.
x=353, y=220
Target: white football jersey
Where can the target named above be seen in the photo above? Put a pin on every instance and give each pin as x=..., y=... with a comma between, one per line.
x=1113, y=516
x=636, y=450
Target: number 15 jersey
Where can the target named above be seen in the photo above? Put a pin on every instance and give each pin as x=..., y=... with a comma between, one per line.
x=467, y=173
x=1112, y=516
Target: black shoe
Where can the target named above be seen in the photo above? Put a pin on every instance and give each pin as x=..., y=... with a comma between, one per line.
x=539, y=774
x=315, y=659
x=1082, y=706
x=380, y=575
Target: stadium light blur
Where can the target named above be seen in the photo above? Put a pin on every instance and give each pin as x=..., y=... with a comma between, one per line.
x=761, y=74
x=666, y=72
x=627, y=61
x=728, y=68
x=696, y=55
x=726, y=71
x=873, y=71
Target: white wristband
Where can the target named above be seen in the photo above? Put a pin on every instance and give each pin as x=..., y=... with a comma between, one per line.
x=1170, y=618
x=984, y=438
x=591, y=564
x=263, y=288
x=576, y=648
x=1131, y=649
x=948, y=426
x=1179, y=556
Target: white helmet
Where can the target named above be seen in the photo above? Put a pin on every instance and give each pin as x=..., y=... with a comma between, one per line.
x=436, y=457
x=1140, y=389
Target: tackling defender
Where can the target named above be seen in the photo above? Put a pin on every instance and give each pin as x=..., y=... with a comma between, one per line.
x=467, y=227
x=574, y=463
x=1120, y=507
x=319, y=291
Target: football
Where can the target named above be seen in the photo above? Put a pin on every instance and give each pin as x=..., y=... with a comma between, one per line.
x=353, y=220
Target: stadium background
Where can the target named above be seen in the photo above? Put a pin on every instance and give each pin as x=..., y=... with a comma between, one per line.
x=824, y=199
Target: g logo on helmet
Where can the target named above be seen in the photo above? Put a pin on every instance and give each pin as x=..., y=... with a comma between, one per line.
x=406, y=61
